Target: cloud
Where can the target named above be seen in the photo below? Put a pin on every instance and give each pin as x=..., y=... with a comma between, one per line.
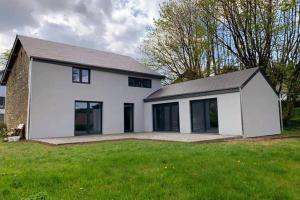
x=112, y=25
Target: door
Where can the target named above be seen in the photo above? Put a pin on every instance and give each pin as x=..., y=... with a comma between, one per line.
x=88, y=118
x=128, y=117
x=198, y=116
x=166, y=117
x=204, y=116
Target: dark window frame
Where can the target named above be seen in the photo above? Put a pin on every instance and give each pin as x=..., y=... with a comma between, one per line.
x=170, y=117
x=132, y=105
x=88, y=107
x=132, y=82
x=206, y=130
x=80, y=75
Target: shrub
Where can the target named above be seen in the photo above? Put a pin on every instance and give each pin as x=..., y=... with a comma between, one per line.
x=3, y=130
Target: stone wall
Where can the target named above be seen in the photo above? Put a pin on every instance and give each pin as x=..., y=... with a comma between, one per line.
x=17, y=92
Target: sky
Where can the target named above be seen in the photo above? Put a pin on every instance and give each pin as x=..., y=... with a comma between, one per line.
x=117, y=26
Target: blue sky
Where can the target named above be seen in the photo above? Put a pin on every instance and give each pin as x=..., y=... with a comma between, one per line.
x=112, y=25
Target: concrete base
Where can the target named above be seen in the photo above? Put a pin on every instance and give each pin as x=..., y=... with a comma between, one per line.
x=175, y=137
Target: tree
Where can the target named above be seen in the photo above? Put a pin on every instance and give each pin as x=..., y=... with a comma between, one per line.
x=176, y=46
x=235, y=34
x=4, y=58
x=264, y=34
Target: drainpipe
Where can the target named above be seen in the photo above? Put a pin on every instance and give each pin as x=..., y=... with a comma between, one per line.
x=29, y=100
x=242, y=120
x=280, y=111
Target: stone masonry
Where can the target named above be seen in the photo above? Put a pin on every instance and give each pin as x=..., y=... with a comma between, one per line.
x=17, y=92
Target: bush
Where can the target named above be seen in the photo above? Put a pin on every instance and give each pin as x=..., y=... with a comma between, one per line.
x=3, y=130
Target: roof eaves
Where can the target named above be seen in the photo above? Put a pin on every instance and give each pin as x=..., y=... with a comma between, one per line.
x=68, y=63
x=190, y=95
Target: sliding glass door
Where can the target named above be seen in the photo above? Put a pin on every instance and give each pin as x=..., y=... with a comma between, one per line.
x=204, y=116
x=88, y=117
x=166, y=117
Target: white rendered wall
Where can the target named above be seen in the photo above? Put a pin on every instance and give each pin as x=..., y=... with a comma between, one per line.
x=229, y=113
x=53, y=97
x=2, y=94
x=260, y=108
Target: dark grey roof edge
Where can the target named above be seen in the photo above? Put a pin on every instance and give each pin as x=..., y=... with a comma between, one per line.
x=100, y=68
x=190, y=95
x=205, y=93
x=17, y=43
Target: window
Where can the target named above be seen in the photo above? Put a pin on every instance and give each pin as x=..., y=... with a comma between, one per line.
x=2, y=102
x=139, y=82
x=80, y=75
x=88, y=117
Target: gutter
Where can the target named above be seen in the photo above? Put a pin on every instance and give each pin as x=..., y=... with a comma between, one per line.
x=100, y=68
x=190, y=95
x=280, y=112
x=29, y=98
x=242, y=119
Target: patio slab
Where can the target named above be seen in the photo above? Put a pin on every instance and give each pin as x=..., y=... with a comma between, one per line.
x=175, y=137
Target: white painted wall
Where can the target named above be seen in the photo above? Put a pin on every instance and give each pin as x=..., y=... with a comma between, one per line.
x=260, y=108
x=2, y=94
x=53, y=97
x=229, y=113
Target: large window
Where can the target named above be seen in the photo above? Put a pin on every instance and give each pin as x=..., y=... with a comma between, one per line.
x=204, y=115
x=88, y=117
x=166, y=117
x=139, y=82
x=81, y=75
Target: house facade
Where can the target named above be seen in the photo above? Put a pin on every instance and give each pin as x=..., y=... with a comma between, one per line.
x=59, y=90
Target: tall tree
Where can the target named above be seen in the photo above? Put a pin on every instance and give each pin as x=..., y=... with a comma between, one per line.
x=263, y=34
x=234, y=35
x=177, y=45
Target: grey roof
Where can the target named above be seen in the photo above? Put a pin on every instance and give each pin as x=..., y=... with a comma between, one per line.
x=221, y=83
x=54, y=51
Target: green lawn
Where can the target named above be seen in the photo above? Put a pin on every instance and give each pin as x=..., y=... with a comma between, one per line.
x=151, y=170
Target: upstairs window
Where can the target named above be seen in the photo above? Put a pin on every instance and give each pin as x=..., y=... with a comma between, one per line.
x=139, y=82
x=81, y=75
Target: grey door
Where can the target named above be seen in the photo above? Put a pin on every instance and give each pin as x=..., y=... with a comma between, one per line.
x=204, y=116
x=128, y=117
x=198, y=116
x=166, y=117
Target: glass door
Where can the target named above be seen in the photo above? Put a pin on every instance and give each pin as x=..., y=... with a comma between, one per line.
x=166, y=117
x=128, y=117
x=204, y=116
x=88, y=117
x=198, y=116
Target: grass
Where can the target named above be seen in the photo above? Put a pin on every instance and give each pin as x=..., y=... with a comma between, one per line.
x=151, y=170
x=293, y=127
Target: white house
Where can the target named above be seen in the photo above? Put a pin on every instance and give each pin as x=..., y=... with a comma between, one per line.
x=59, y=90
